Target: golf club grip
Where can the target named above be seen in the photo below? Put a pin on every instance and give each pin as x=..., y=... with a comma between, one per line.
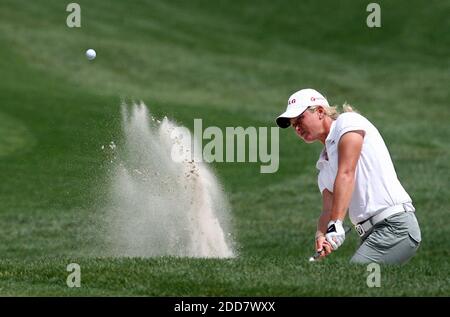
x=317, y=253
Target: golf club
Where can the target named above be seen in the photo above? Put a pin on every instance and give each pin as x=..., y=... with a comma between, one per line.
x=316, y=255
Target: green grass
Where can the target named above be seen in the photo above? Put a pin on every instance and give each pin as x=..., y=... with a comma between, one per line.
x=232, y=64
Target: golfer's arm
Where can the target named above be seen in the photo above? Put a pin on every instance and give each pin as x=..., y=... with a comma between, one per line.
x=327, y=200
x=349, y=151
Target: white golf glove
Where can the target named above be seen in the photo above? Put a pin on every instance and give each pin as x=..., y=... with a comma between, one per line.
x=335, y=234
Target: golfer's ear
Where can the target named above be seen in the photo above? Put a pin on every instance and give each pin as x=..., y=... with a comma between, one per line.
x=321, y=111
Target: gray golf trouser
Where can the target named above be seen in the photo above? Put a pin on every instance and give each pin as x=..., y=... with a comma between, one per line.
x=393, y=240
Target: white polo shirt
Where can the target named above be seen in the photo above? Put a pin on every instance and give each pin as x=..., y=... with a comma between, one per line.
x=376, y=184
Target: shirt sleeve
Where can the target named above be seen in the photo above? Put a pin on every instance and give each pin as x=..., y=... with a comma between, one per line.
x=320, y=182
x=349, y=121
x=325, y=179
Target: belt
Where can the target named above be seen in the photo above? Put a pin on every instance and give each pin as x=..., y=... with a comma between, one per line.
x=365, y=226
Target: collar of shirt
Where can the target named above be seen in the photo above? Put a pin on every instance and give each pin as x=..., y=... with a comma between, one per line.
x=330, y=138
x=323, y=158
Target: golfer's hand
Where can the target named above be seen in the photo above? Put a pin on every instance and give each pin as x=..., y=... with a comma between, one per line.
x=335, y=234
x=322, y=246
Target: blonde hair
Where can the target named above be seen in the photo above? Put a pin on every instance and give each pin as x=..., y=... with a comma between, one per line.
x=333, y=112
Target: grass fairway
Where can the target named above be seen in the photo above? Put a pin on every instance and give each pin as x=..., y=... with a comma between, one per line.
x=231, y=63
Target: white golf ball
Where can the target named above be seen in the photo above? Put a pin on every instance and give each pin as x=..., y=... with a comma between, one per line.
x=90, y=54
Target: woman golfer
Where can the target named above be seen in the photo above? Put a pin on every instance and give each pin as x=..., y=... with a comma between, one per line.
x=355, y=173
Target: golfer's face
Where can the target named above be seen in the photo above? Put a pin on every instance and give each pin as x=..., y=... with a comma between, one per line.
x=304, y=126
